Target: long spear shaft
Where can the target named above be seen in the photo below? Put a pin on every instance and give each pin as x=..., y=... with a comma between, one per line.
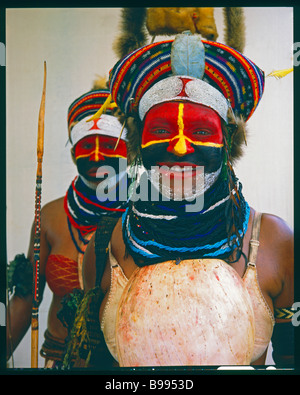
x=37, y=231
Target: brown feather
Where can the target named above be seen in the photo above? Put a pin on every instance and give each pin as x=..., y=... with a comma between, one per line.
x=133, y=32
x=100, y=83
x=234, y=31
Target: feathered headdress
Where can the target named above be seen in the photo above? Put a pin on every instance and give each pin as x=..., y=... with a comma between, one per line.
x=82, y=110
x=228, y=77
x=234, y=28
x=133, y=33
x=174, y=20
x=135, y=25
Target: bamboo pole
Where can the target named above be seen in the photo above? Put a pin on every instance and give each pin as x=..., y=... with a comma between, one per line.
x=37, y=230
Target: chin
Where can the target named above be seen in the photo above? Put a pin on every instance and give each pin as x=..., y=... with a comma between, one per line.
x=91, y=182
x=183, y=185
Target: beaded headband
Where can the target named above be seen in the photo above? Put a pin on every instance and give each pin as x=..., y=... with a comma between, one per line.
x=184, y=88
x=107, y=125
x=83, y=108
x=225, y=71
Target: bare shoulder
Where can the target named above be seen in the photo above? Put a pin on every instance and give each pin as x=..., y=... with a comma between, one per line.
x=51, y=218
x=116, y=236
x=116, y=242
x=275, y=259
x=280, y=230
x=55, y=206
x=53, y=215
x=277, y=237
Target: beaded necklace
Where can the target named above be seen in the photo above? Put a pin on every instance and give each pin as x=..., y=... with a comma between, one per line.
x=154, y=232
x=84, y=210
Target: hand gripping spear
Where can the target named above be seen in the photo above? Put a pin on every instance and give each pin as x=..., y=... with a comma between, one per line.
x=37, y=230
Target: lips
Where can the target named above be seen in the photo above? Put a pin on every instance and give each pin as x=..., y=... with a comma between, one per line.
x=100, y=171
x=174, y=170
x=93, y=171
x=177, y=164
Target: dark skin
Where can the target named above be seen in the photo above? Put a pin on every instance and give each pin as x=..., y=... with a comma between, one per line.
x=275, y=261
x=55, y=238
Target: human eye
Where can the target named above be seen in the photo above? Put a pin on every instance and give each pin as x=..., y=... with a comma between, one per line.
x=201, y=133
x=87, y=145
x=108, y=146
x=160, y=132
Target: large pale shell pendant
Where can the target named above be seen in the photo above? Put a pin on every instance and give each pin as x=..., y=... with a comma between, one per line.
x=195, y=313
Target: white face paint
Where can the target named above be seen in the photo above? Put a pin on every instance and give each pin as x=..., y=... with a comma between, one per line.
x=182, y=183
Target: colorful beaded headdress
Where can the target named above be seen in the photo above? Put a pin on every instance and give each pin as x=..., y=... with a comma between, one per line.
x=81, y=203
x=226, y=70
x=83, y=108
x=188, y=68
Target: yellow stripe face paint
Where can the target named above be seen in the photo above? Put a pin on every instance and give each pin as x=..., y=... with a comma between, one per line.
x=97, y=147
x=180, y=147
x=181, y=124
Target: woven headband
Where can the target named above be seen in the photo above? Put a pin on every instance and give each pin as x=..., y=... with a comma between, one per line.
x=81, y=110
x=86, y=104
x=224, y=69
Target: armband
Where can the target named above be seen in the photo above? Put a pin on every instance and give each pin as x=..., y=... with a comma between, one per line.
x=20, y=276
x=285, y=313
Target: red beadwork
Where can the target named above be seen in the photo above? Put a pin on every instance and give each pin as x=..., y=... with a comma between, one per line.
x=62, y=274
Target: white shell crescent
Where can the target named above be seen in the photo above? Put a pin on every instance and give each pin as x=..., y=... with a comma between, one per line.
x=196, y=313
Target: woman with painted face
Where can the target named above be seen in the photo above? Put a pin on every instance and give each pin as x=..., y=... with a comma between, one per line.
x=185, y=286
x=68, y=223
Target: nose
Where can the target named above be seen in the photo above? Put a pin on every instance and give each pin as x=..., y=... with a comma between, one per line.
x=96, y=155
x=180, y=146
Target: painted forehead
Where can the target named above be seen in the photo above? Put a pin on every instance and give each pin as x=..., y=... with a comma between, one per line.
x=192, y=111
x=100, y=145
x=195, y=122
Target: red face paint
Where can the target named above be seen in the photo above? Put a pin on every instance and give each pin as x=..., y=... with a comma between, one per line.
x=182, y=124
x=97, y=147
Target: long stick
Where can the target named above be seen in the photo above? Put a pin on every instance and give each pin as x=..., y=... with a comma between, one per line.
x=37, y=231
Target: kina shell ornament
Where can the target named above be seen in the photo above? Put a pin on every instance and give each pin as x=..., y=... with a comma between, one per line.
x=198, y=312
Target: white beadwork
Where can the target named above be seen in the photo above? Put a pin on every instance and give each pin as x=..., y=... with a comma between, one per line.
x=197, y=91
x=107, y=125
